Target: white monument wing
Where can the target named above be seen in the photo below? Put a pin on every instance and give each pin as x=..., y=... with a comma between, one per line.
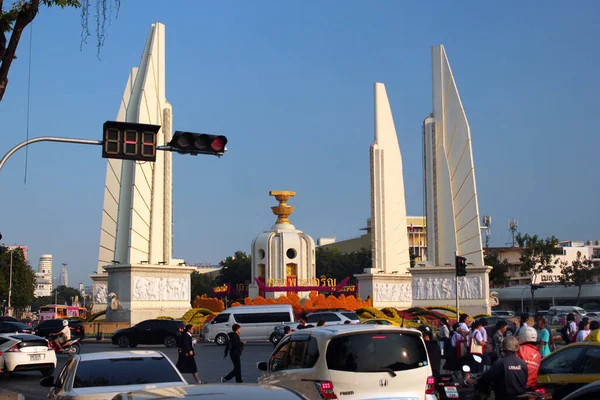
x=140, y=230
x=457, y=205
x=388, y=207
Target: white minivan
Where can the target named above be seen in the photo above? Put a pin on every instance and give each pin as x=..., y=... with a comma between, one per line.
x=256, y=322
x=352, y=362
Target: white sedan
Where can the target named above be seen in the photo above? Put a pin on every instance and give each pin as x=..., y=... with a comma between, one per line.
x=103, y=375
x=25, y=352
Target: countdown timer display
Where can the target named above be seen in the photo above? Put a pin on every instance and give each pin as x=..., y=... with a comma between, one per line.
x=129, y=141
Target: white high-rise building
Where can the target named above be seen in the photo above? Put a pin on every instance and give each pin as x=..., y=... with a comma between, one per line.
x=43, y=277
x=63, y=279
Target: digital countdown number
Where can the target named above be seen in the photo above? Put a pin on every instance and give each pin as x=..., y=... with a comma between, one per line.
x=129, y=141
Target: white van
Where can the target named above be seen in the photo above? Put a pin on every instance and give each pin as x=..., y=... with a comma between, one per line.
x=567, y=309
x=256, y=322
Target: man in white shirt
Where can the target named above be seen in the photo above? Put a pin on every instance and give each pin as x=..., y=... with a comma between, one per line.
x=63, y=336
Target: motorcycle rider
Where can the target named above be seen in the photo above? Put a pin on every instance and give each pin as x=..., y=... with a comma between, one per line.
x=507, y=376
x=529, y=353
x=63, y=336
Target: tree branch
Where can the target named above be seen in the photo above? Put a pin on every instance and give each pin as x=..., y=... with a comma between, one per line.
x=26, y=15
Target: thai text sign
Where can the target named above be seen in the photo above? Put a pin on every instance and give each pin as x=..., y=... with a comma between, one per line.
x=293, y=281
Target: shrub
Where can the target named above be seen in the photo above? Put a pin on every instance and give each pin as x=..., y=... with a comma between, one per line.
x=94, y=316
x=210, y=303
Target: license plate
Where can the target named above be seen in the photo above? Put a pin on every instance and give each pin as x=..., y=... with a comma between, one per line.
x=35, y=357
x=451, y=392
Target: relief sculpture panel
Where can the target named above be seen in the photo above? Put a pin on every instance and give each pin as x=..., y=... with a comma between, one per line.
x=445, y=288
x=158, y=288
x=392, y=292
x=100, y=293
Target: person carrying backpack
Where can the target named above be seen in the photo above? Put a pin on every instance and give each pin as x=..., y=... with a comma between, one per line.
x=569, y=331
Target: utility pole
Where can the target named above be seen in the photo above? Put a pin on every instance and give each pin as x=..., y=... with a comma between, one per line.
x=10, y=281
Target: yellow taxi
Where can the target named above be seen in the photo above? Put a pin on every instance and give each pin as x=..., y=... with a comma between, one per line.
x=569, y=368
x=380, y=321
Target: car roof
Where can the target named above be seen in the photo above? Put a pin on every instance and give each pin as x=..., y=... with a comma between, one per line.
x=216, y=392
x=11, y=335
x=105, y=355
x=261, y=307
x=333, y=330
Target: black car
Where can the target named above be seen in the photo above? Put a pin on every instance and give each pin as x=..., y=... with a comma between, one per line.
x=151, y=331
x=49, y=326
x=14, y=327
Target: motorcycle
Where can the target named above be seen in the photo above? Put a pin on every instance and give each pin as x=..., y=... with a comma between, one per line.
x=453, y=388
x=70, y=347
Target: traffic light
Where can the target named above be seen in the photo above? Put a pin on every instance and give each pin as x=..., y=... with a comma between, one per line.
x=461, y=266
x=198, y=143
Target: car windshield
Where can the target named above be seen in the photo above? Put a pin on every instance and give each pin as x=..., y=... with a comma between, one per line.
x=124, y=371
x=369, y=352
x=350, y=315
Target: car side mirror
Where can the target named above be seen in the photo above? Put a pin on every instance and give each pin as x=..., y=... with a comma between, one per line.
x=47, y=381
x=262, y=366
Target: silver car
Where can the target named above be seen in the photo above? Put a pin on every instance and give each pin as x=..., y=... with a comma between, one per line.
x=103, y=375
x=215, y=392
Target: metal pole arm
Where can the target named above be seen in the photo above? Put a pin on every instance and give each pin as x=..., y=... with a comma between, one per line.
x=46, y=139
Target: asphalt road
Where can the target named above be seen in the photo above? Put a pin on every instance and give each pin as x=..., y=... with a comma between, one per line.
x=209, y=358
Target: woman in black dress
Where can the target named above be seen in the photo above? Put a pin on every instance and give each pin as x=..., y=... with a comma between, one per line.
x=186, y=364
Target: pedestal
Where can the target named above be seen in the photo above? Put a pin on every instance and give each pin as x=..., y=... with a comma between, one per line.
x=99, y=292
x=436, y=286
x=142, y=291
x=386, y=290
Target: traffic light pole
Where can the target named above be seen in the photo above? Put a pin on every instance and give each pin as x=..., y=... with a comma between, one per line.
x=456, y=289
x=457, y=312
x=61, y=140
x=46, y=139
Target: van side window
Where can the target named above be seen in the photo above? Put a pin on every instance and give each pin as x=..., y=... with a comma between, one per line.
x=221, y=318
x=258, y=318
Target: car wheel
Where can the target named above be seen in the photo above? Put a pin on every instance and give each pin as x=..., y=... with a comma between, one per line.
x=274, y=339
x=221, y=339
x=47, y=371
x=170, y=341
x=123, y=342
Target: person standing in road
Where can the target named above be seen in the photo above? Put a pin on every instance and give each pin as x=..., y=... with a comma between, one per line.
x=234, y=347
x=498, y=338
x=186, y=363
x=543, y=337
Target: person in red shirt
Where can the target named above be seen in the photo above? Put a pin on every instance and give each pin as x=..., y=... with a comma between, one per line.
x=529, y=353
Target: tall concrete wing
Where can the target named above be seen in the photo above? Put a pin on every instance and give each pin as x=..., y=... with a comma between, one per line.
x=451, y=192
x=137, y=212
x=388, y=208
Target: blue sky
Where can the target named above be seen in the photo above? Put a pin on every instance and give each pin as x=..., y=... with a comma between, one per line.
x=291, y=87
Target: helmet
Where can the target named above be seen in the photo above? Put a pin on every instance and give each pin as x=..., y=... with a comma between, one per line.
x=527, y=335
x=65, y=322
x=510, y=343
x=425, y=330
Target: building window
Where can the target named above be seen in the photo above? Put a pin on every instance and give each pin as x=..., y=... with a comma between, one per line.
x=291, y=253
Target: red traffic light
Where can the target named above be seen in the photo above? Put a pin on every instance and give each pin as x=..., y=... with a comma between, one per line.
x=198, y=143
x=218, y=143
